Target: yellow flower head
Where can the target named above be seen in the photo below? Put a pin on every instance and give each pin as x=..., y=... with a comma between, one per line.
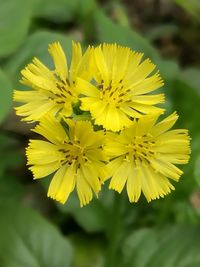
x=121, y=86
x=52, y=91
x=143, y=157
x=116, y=89
x=75, y=155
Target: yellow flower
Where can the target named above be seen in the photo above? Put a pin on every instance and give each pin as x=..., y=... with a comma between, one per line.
x=143, y=157
x=53, y=90
x=121, y=87
x=75, y=155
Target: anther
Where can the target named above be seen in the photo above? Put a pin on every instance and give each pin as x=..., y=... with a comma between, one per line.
x=67, y=81
x=122, y=94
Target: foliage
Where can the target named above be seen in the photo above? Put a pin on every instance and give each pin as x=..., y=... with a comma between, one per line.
x=110, y=231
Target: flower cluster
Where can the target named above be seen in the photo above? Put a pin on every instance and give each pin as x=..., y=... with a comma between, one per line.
x=100, y=120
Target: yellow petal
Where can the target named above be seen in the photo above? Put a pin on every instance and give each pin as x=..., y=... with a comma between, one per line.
x=148, y=85
x=134, y=61
x=91, y=176
x=86, y=88
x=76, y=58
x=84, y=68
x=119, y=178
x=114, y=165
x=40, y=171
x=112, y=120
x=101, y=64
x=166, y=168
x=143, y=109
x=148, y=99
x=47, y=128
x=42, y=152
x=62, y=183
x=83, y=189
x=160, y=185
x=37, y=81
x=133, y=184
x=59, y=59
x=34, y=111
x=165, y=124
x=121, y=59
x=142, y=71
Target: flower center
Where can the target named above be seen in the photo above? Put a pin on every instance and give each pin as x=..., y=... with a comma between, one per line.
x=73, y=152
x=141, y=149
x=63, y=92
x=114, y=93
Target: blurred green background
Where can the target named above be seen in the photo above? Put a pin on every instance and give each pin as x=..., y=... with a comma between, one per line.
x=37, y=232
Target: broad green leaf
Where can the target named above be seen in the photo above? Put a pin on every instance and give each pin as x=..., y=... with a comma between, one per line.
x=108, y=31
x=6, y=95
x=191, y=76
x=120, y=12
x=58, y=11
x=94, y=216
x=11, y=159
x=36, y=46
x=191, y=6
x=11, y=154
x=11, y=190
x=15, y=18
x=161, y=30
x=85, y=8
x=88, y=251
x=168, y=69
x=167, y=247
x=100, y=214
x=28, y=240
x=197, y=170
x=90, y=217
x=185, y=100
x=63, y=11
x=185, y=212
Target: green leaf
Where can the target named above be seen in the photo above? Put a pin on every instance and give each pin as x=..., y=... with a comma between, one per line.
x=192, y=7
x=197, y=170
x=63, y=11
x=94, y=216
x=172, y=246
x=85, y=8
x=36, y=46
x=186, y=212
x=15, y=20
x=162, y=30
x=11, y=155
x=185, y=100
x=191, y=76
x=27, y=239
x=58, y=11
x=11, y=190
x=6, y=95
x=169, y=69
x=11, y=158
x=110, y=32
x=88, y=251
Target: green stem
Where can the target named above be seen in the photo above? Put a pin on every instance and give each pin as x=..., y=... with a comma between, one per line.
x=83, y=117
x=114, y=233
